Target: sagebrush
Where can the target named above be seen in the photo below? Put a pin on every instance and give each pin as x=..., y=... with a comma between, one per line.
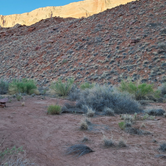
x=100, y=97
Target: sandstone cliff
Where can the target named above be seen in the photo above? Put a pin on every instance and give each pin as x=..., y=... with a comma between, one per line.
x=77, y=10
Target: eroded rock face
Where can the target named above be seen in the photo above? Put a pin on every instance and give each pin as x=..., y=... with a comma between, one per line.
x=77, y=10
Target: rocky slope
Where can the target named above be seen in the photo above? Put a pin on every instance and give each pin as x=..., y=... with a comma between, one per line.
x=76, y=10
x=129, y=40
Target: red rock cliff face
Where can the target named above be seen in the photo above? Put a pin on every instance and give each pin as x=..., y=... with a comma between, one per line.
x=77, y=10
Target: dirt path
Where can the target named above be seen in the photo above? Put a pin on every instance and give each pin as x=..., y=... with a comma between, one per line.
x=46, y=137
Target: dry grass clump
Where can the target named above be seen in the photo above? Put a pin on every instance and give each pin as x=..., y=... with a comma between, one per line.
x=23, y=104
x=85, y=138
x=108, y=142
x=127, y=117
x=111, y=143
x=122, y=143
x=84, y=123
x=90, y=112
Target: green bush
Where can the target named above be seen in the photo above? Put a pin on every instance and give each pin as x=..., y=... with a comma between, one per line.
x=3, y=87
x=86, y=85
x=54, y=109
x=62, y=89
x=121, y=125
x=21, y=86
x=139, y=91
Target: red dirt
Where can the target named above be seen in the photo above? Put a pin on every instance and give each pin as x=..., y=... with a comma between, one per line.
x=46, y=137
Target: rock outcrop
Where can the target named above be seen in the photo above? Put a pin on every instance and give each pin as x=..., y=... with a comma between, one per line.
x=76, y=10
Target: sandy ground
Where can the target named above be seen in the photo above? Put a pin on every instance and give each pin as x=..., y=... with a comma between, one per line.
x=46, y=137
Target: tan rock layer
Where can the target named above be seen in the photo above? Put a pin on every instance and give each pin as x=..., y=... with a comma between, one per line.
x=76, y=10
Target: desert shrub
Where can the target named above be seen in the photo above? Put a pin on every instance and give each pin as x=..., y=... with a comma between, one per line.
x=11, y=151
x=18, y=97
x=90, y=112
x=100, y=97
x=108, y=111
x=3, y=86
x=21, y=86
x=162, y=88
x=138, y=90
x=108, y=142
x=122, y=143
x=74, y=93
x=14, y=157
x=84, y=124
x=34, y=91
x=127, y=118
x=62, y=89
x=86, y=85
x=54, y=109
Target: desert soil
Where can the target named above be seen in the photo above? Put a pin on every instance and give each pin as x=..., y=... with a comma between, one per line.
x=46, y=137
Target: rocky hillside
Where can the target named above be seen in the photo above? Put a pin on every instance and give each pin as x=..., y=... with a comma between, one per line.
x=129, y=40
x=80, y=9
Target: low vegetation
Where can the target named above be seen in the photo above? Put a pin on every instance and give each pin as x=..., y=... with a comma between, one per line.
x=100, y=97
x=3, y=86
x=122, y=125
x=162, y=89
x=84, y=124
x=14, y=157
x=62, y=89
x=21, y=86
x=18, y=97
x=139, y=91
x=54, y=109
x=108, y=142
x=111, y=143
x=86, y=85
